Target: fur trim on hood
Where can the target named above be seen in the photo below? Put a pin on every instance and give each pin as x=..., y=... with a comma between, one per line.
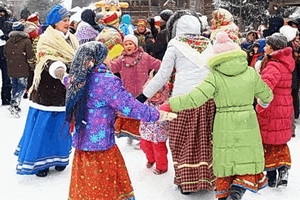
x=17, y=35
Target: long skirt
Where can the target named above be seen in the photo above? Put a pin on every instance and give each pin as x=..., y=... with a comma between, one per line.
x=277, y=156
x=45, y=143
x=100, y=175
x=127, y=127
x=249, y=182
x=190, y=140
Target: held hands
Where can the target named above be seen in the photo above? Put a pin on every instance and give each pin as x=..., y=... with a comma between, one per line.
x=60, y=73
x=166, y=115
x=264, y=105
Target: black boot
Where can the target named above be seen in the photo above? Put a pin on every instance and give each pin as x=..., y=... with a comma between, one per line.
x=236, y=193
x=42, y=173
x=224, y=198
x=60, y=168
x=271, y=178
x=282, y=180
x=182, y=192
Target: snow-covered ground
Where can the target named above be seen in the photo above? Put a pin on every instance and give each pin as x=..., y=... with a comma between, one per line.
x=147, y=186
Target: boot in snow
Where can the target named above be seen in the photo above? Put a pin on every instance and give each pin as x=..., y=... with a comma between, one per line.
x=283, y=174
x=271, y=178
x=236, y=193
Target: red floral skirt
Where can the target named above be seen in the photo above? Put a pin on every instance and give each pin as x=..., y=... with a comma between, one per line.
x=127, y=127
x=100, y=175
x=276, y=156
x=250, y=182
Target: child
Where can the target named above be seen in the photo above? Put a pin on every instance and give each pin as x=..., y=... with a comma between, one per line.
x=154, y=136
x=93, y=96
x=276, y=121
x=238, y=154
x=133, y=65
x=144, y=36
x=18, y=50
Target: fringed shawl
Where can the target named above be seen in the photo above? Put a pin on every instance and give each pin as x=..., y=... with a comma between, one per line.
x=52, y=46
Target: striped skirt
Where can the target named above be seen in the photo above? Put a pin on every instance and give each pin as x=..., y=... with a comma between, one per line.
x=45, y=142
x=190, y=140
x=100, y=175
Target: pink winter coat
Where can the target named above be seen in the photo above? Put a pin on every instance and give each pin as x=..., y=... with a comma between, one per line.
x=276, y=120
x=134, y=77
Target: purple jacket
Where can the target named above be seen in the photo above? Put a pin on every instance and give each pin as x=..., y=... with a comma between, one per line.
x=106, y=95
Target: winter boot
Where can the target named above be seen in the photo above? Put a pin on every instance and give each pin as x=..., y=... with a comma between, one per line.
x=236, y=193
x=42, y=173
x=282, y=180
x=60, y=168
x=271, y=178
x=182, y=192
x=224, y=198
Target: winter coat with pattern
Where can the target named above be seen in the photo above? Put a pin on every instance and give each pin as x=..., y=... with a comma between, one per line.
x=276, y=120
x=134, y=77
x=237, y=145
x=106, y=95
x=18, y=50
x=154, y=132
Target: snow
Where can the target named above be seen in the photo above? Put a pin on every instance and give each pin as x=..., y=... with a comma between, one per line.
x=147, y=186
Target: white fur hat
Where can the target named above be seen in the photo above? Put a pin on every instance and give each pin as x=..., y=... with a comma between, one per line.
x=289, y=32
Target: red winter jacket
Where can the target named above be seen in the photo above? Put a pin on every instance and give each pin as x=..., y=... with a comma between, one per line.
x=276, y=121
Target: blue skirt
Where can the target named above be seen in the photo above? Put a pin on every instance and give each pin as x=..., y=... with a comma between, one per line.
x=46, y=142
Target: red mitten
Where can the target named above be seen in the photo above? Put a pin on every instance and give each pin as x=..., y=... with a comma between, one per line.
x=165, y=107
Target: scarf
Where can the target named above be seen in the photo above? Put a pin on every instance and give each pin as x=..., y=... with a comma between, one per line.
x=52, y=46
x=88, y=58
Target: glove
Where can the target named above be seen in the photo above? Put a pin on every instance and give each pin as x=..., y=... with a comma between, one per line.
x=264, y=105
x=166, y=115
x=60, y=73
x=151, y=22
x=165, y=107
x=141, y=98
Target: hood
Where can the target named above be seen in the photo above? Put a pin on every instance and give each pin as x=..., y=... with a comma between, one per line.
x=16, y=36
x=187, y=24
x=230, y=63
x=285, y=57
x=126, y=19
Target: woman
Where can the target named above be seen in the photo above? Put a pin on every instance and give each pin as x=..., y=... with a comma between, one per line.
x=222, y=20
x=276, y=121
x=46, y=142
x=189, y=134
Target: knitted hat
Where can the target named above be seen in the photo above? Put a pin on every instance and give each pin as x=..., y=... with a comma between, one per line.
x=18, y=26
x=56, y=14
x=289, y=32
x=99, y=16
x=141, y=22
x=223, y=43
x=131, y=38
x=277, y=41
x=166, y=14
x=33, y=17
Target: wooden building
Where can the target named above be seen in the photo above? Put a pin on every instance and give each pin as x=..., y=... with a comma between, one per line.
x=274, y=4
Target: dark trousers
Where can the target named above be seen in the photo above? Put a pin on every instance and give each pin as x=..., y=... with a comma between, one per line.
x=6, y=85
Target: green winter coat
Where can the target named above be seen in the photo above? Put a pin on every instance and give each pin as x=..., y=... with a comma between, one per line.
x=237, y=144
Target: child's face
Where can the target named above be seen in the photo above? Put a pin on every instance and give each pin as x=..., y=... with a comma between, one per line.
x=268, y=49
x=141, y=28
x=255, y=49
x=129, y=46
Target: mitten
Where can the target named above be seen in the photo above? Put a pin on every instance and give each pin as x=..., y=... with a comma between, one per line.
x=166, y=115
x=264, y=105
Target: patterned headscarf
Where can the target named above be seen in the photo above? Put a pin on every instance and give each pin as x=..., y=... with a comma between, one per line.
x=88, y=56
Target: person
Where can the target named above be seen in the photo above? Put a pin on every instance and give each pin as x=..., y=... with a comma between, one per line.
x=126, y=27
x=73, y=26
x=190, y=133
x=99, y=20
x=222, y=20
x=133, y=66
x=87, y=29
x=276, y=121
x=144, y=36
x=94, y=95
x=18, y=51
x=154, y=135
x=46, y=141
x=238, y=154
x=5, y=29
